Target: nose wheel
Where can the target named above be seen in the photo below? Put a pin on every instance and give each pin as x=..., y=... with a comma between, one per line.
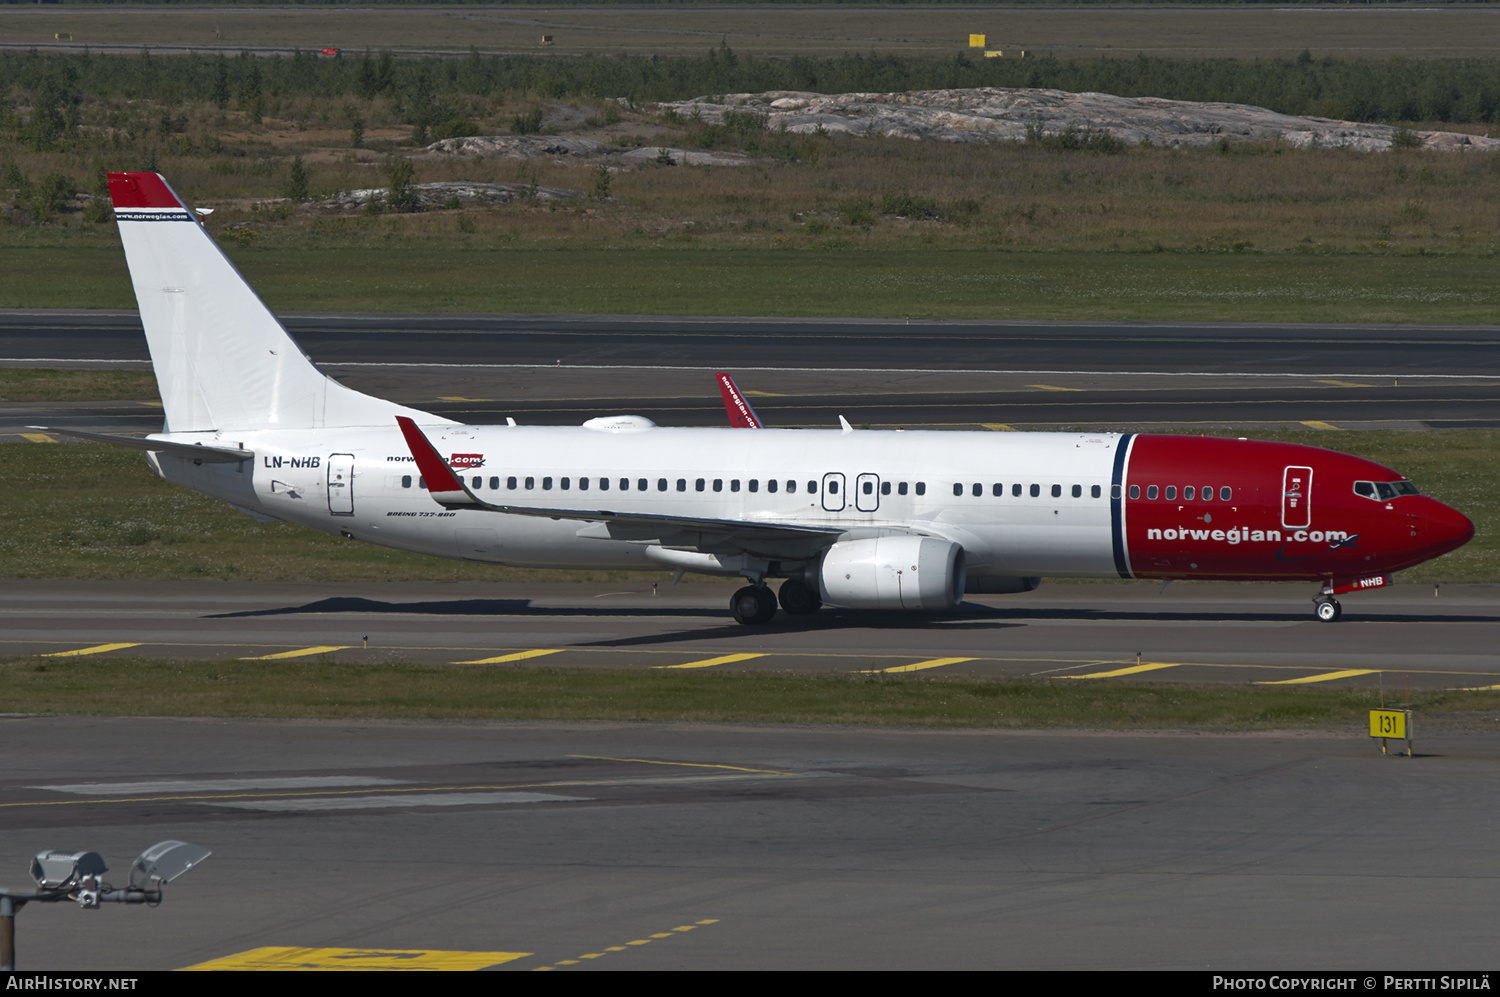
x=1327, y=608
x=753, y=604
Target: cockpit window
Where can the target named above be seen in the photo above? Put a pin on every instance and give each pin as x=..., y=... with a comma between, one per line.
x=1384, y=491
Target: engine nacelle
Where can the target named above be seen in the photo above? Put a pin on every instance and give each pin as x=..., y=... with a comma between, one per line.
x=901, y=572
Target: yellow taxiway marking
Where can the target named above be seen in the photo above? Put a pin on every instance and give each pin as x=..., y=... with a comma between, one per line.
x=625, y=947
x=38, y=437
x=762, y=394
x=691, y=765
x=517, y=656
x=1324, y=677
x=96, y=649
x=1149, y=666
x=1318, y=424
x=999, y=427
x=282, y=958
x=1052, y=387
x=456, y=398
x=920, y=666
x=150, y=404
x=301, y=652
x=726, y=659
x=1345, y=384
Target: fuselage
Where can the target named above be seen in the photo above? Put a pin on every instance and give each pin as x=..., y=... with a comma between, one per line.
x=1020, y=504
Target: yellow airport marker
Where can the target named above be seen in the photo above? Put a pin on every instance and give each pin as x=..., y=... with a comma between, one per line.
x=282, y=958
x=1149, y=666
x=1318, y=424
x=517, y=656
x=920, y=666
x=727, y=659
x=97, y=649
x=1324, y=677
x=38, y=437
x=301, y=652
x=998, y=427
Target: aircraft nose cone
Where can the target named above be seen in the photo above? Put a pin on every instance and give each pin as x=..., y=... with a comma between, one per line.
x=1447, y=528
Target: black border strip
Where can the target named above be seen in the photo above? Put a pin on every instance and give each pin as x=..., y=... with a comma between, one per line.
x=1116, y=510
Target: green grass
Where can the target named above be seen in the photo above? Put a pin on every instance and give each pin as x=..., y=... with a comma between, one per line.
x=34, y=384
x=319, y=688
x=94, y=511
x=438, y=276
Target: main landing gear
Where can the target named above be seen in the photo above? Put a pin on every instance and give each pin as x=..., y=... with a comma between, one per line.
x=756, y=604
x=1327, y=607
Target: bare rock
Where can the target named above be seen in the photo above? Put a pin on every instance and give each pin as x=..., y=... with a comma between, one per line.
x=994, y=114
x=438, y=195
x=515, y=146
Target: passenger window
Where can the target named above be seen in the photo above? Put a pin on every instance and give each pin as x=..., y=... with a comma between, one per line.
x=566, y=483
x=700, y=484
x=682, y=484
x=1135, y=491
x=772, y=484
x=546, y=484
x=625, y=484
x=1225, y=493
x=1187, y=493
x=1208, y=493
x=1057, y=491
x=1151, y=491
x=641, y=485
x=885, y=488
x=604, y=484
x=833, y=488
x=1078, y=491
x=1171, y=491
x=998, y=490
x=583, y=484
x=734, y=484
x=978, y=489
x=1015, y=489
x=718, y=484
x=1036, y=490
x=494, y=484
x=530, y=483
x=476, y=482
x=421, y=482
x=921, y=488
x=901, y=488
x=1094, y=491
x=869, y=488
x=405, y=481
x=791, y=486
x=812, y=488
x=510, y=483
x=958, y=489
x=755, y=484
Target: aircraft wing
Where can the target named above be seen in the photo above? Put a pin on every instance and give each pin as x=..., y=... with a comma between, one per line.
x=718, y=536
x=741, y=415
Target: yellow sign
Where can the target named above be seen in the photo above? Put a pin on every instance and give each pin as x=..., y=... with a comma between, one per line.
x=283, y=959
x=976, y=41
x=1388, y=723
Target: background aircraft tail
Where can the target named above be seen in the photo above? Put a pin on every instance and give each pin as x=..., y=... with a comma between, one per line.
x=222, y=360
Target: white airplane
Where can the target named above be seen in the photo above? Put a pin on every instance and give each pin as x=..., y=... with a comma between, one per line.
x=859, y=519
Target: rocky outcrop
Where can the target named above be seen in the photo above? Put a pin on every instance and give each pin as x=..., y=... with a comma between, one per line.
x=562, y=146
x=441, y=195
x=993, y=114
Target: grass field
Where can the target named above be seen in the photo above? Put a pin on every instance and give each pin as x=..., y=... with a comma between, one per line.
x=94, y=511
x=781, y=29
x=145, y=687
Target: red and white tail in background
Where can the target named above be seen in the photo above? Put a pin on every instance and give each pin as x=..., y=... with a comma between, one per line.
x=222, y=360
x=741, y=415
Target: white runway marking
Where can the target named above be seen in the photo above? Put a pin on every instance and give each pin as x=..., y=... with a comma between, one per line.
x=212, y=785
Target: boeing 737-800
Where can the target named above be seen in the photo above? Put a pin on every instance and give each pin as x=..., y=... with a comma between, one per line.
x=853, y=518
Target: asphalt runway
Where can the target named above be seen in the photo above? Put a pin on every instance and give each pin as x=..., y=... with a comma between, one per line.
x=1204, y=632
x=580, y=847
x=562, y=370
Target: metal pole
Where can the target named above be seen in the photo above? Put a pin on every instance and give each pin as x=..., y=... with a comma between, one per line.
x=7, y=934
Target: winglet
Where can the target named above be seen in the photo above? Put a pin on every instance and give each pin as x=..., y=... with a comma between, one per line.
x=741, y=415
x=445, y=487
x=845, y=423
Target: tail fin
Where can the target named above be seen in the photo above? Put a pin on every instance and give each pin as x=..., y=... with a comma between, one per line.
x=222, y=359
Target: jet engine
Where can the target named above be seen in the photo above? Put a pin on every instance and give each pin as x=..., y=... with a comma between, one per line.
x=900, y=572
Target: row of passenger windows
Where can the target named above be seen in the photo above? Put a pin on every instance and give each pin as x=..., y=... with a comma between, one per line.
x=1170, y=493
x=998, y=490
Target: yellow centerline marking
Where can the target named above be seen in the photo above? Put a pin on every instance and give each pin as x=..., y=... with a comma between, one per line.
x=1324, y=677
x=694, y=765
x=96, y=649
x=919, y=666
x=1318, y=424
x=999, y=427
x=1149, y=666
x=282, y=958
x=301, y=652
x=711, y=662
x=1344, y=384
x=622, y=948
x=38, y=437
x=517, y=656
x=1052, y=387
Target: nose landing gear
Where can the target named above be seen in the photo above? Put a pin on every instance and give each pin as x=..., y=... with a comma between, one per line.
x=1326, y=606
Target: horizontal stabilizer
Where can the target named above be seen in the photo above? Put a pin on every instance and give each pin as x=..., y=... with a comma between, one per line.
x=192, y=451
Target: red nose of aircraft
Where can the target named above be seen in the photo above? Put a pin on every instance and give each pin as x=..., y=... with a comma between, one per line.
x=1443, y=529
